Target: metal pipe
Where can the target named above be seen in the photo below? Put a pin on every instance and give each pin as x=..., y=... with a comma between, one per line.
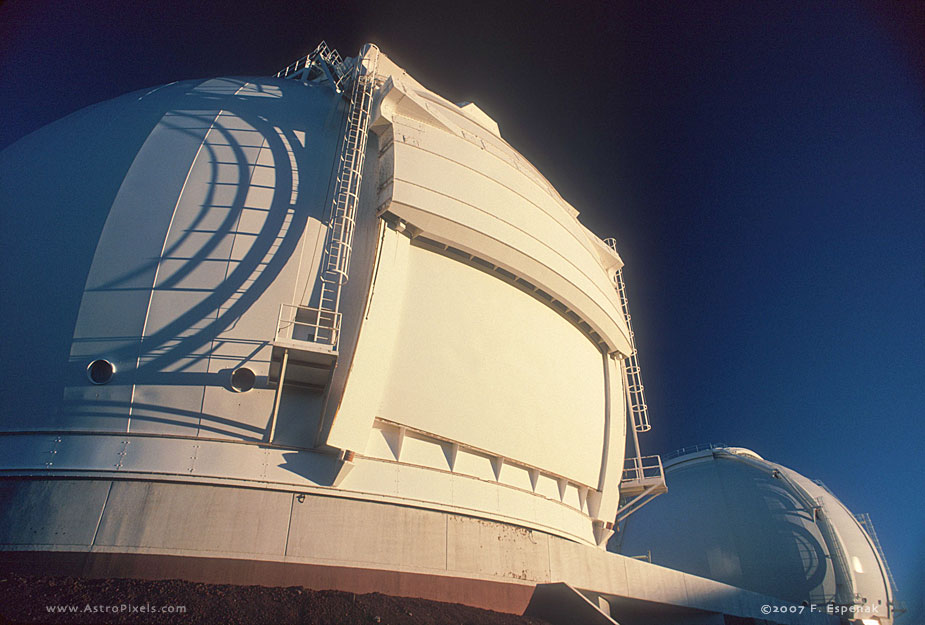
x=279, y=394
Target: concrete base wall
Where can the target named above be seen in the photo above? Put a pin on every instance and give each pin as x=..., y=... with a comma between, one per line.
x=229, y=534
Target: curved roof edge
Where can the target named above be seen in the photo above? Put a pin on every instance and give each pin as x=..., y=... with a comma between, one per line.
x=686, y=454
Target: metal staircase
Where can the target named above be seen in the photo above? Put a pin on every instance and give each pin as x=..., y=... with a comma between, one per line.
x=643, y=477
x=307, y=337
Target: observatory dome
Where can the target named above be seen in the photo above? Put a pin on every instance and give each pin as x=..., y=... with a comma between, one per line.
x=321, y=319
x=328, y=328
x=731, y=516
x=157, y=226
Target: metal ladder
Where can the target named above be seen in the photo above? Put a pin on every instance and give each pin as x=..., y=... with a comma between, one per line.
x=635, y=391
x=312, y=333
x=643, y=477
x=342, y=223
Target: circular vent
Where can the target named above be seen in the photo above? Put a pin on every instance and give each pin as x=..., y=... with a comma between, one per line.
x=100, y=371
x=243, y=379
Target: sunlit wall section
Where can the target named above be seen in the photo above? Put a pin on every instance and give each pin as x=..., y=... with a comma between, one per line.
x=491, y=338
x=477, y=369
x=487, y=364
x=460, y=184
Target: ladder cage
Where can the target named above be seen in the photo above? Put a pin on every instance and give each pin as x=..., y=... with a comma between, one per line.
x=635, y=389
x=357, y=79
x=636, y=398
x=306, y=323
x=342, y=223
x=320, y=62
x=643, y=477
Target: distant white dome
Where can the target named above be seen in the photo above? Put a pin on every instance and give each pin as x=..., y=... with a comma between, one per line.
x=741, y=451
x=732, y=516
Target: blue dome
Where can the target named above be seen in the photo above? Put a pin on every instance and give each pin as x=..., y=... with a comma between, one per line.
x=127, y=240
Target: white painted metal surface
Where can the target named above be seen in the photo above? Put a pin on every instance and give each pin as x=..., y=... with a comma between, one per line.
x=108, y=517
x=457, y=408
x=471, y=363
x=758, y=525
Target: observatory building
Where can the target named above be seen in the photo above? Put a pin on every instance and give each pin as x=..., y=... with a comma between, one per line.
x=323, y=318
x=758, y=525
x=327, y=329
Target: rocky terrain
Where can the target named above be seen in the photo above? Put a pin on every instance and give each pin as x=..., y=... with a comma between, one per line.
x=52, y=600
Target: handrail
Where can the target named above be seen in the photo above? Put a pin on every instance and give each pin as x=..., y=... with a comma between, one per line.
x=643, y=477
x=305, y=323
x=642, y=468
x=322, y=54
x=635, y=391
x=695, y=448
x=342, y=222
x=634, y=388
x=868, y=525
x=321, y=324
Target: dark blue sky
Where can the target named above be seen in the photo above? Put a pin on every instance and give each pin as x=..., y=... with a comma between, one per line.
x=763, y=170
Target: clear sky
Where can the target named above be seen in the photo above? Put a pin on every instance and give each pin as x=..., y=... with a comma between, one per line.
x=763, y=170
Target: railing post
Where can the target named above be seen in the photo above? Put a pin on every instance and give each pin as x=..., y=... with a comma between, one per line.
x=279, y=321
x=279, y=394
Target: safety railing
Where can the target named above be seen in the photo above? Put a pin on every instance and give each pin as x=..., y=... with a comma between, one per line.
x=304, y=323
x=342, y=223
x=868, y=525
x=643, y=477
x=634, y=387
x=643, y=480
x=635, y=391
x=321, y=324
x=693, y=449
x=643, y=468
x=321, y=54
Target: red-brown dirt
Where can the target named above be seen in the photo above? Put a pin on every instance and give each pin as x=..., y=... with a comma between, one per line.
x=52, y=600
